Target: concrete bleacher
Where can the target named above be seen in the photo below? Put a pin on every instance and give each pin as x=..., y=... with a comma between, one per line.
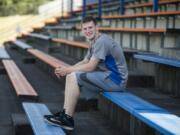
x=146, y=20
x=146, y=107
x=160, y=23
x=141, y=39
x=150, y=114
x=151, y=45
x=166, y=72
x=131, y=6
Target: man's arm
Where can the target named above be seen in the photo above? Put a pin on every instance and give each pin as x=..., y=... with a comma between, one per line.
x=89, y=66
x=84, y=61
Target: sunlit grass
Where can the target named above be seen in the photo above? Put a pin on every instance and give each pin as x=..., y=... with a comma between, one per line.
x=12, y=26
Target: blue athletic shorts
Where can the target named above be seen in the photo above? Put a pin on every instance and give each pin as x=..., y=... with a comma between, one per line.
x=92, y=83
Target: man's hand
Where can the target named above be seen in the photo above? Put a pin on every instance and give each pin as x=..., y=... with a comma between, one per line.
x=62, y=71
x=84, y=67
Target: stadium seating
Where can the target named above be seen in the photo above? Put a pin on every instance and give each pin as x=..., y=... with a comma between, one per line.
x=146, y=38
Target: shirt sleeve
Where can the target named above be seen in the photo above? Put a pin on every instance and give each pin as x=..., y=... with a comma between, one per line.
x=100, y=50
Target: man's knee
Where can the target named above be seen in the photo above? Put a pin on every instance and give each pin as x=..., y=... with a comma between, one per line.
x=71, y=76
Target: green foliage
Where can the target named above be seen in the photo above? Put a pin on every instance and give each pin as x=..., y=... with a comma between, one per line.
x=12, y=7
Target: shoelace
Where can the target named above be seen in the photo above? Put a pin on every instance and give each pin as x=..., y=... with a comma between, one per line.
x=59, y=113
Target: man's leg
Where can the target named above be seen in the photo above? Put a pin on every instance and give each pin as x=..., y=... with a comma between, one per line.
x=72, y=93
x=64, y=118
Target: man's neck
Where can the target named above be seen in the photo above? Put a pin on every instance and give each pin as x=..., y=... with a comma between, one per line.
x=95, y=38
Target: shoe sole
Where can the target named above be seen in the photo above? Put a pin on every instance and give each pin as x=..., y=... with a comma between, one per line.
x=64, y=127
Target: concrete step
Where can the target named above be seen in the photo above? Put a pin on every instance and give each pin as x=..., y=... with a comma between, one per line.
x=21, y=124
x=2, y=70
x=140, y=80
x=172, y=53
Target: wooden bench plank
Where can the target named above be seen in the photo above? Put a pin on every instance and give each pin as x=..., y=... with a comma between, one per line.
x=53, y=20
x=72, y=43
x=157, y=30
x=75, y=19
x=50, y=60
x=85, y=45
x=3, y=53
x=139, y=30
x=19, y=82
x=53, y=62
x=59, y=40
x=158, y=59
x=35, y=113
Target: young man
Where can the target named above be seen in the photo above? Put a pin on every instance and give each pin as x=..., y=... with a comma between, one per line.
x=103, y=68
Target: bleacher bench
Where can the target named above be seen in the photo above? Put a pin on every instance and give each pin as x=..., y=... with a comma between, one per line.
x=35, y=113
x=83, y=44
x=50, y=60
x=40, y=36
x=137, y=30
x=61, y=27
x=20, y=83
x=53, y=62
x=22, y=45
x=152, y=14
x=154, y=116
x=58, y=40
x=149, y=4
x=158, y=59
x=71, y=43
x=3, y=53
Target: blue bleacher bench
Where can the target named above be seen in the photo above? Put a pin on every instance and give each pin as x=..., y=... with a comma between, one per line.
x=63, y=27
x=154, y=116
x=40, y=36
x=3, y=53
x=158, y=59
x=22, y=45
x=35, y=113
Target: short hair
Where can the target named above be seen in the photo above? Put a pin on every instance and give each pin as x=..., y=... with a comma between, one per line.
x=89, y=19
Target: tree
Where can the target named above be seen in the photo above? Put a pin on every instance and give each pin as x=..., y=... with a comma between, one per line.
x=12, y=7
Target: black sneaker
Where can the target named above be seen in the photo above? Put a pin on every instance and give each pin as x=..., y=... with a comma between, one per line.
x=60, y=119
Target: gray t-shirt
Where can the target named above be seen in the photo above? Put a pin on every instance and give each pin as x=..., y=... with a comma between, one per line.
x=112, y=60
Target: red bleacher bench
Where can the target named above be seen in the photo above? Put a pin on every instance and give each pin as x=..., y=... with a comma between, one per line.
x=53, y=62
x=20, y=83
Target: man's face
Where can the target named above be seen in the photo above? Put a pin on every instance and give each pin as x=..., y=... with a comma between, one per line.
x=89, y=30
